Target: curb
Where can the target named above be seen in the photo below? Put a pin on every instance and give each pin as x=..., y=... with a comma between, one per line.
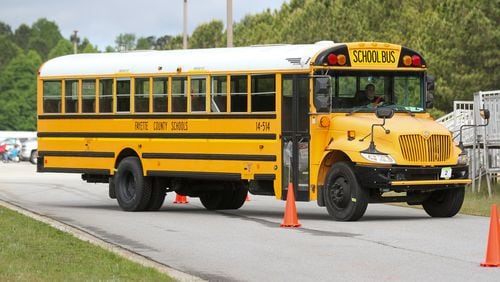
x=116, y=249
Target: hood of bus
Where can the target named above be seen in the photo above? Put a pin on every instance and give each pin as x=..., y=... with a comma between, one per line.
x=410, y=140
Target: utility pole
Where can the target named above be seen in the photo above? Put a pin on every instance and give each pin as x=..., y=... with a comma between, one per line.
x=229, y=23
x=184, y=29
x=74, y=39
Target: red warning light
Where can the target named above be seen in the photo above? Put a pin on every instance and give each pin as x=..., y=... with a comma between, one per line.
x=415, y=61
x=332, y=59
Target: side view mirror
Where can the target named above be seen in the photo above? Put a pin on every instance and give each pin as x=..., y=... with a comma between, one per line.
x=322, y=93
x=384, y=112
x=430, y=87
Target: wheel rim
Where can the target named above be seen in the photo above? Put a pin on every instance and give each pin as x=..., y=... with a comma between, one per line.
x=129, y=191
x=340, y=193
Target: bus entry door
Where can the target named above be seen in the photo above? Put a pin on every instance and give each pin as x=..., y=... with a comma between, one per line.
x=295, y=136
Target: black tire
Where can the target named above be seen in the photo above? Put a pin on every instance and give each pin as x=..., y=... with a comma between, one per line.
x=133, y=190
x=444, y=203
x=158, y=194
x=112, y=188
x=231, y=197
x=213, y=200
x=34, y=157
x=235, y=196
x=345, y=199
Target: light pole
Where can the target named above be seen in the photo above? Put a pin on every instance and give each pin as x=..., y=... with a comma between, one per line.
x=75, y=39
x=184, y=29
x=229, y=23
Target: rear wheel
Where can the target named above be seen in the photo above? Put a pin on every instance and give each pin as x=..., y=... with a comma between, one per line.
x=444, y=203
x=158, y=194
x=344, y=198
x=133, y=190
x=232, y=195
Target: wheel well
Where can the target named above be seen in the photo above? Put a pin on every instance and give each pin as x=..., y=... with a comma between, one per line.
x=328, y=161
x=123, y=154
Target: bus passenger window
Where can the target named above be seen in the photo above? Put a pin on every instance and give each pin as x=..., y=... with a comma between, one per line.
x=160, y=95
x=52, y=93
x=71, y=96
x=218, y=96
x=105, y=95
x=123, y=95
x=263, y=93
x=88, y=96
x=198, y=94
x=141, y=99
x=239, y=102
x=179, y=95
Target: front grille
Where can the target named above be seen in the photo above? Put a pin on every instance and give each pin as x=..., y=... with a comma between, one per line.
x=416, y=148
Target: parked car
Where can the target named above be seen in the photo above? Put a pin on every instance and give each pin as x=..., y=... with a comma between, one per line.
x=29, y=150
x=9, y=143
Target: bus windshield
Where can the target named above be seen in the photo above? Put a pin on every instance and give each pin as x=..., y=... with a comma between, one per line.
x=363, y=91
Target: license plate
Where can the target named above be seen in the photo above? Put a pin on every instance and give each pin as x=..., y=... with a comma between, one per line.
x=446, y=172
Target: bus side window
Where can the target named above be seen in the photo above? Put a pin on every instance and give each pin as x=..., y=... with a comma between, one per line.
x=179, y=94
x=123, y=95
x=239, y=102
x=105, y=95
x=88, y=96
x=218, y=95
x=160, y=94
x=52, y=95
x=198, y=94
x=263, y=93
x=141, y=98
x=71, y=96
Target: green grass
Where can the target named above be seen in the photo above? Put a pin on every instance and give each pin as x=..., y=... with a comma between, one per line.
x=34, y=251
x=479, y=203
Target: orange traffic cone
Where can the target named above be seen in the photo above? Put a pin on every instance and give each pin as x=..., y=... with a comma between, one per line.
x=179, y=199
x=248, y=198
x=493, y=249
x=290, y=218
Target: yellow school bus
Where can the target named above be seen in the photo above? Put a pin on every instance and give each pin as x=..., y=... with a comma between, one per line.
x=344, y=123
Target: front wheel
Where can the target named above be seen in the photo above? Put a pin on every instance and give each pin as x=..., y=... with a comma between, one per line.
x=345, y=199
x=444, y=203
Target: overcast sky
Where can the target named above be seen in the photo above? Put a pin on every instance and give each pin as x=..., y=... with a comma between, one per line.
x=102, y=20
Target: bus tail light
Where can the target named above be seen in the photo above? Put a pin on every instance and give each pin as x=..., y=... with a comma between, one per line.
x=407, y=60
x=415, y=61
x=341, y=59
x=324, y=121
x=332, y=59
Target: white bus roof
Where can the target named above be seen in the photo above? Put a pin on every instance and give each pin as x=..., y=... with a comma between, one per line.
x=265, y=57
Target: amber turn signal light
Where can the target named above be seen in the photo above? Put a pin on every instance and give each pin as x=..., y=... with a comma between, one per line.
x=324, y=121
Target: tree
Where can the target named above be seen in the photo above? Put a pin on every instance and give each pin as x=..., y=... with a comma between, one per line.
x=125, y=42
x=87, y=47
x=5, y=30
x=208, y=35
x=18, y=92
x=22, y=36
x=63, y=47
x=146, y=43
x=44, y=36
x=9, y=50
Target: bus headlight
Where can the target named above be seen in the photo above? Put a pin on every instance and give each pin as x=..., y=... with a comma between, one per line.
x=463, y=159
x=379, y=158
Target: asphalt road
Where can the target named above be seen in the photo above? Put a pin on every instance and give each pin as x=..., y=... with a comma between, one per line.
x=389, y=243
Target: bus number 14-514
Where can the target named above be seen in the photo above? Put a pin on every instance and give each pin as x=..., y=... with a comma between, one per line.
x=262, y=126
